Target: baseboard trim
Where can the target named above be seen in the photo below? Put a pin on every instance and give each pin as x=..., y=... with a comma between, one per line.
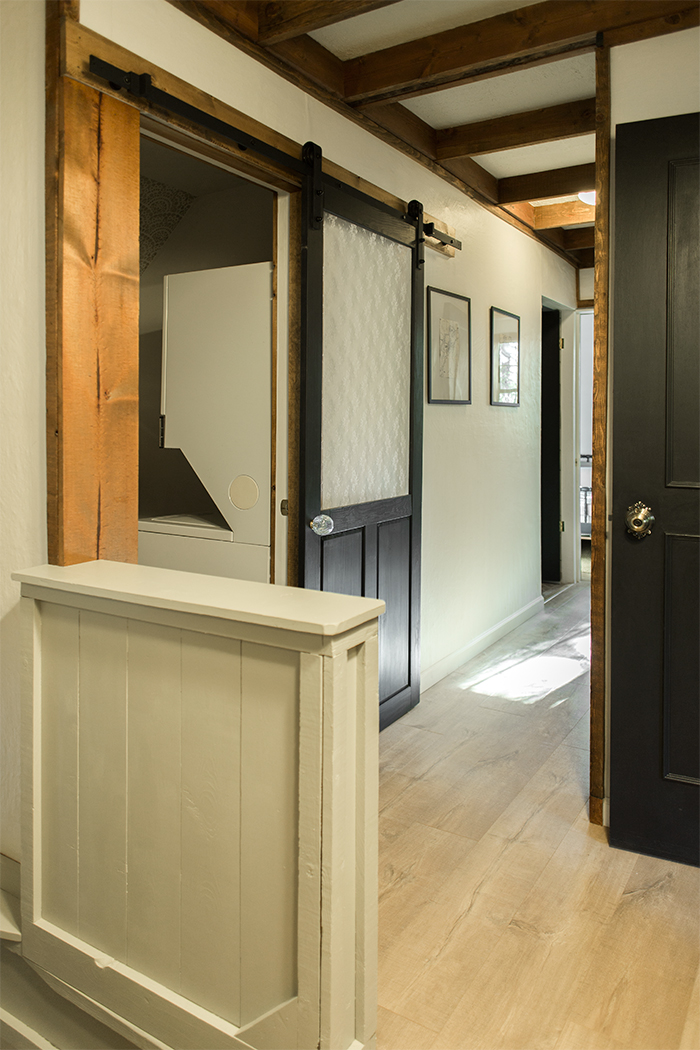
x=450, y=663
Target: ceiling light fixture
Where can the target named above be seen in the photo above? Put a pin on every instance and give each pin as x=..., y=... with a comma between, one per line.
x=587, y=196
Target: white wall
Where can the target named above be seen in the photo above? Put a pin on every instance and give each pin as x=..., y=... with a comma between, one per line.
x=22, y=367
x=479, y=460
x=655, y=78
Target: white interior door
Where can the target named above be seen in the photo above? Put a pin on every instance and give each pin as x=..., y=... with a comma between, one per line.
x=217, y=388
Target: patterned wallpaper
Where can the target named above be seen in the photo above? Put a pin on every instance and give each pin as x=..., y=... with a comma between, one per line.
x=162, y=208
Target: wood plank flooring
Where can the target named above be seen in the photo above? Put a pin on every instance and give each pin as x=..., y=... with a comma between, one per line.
x=505, y=919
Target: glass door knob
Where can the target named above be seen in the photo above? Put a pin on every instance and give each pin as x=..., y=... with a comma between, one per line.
x=322, y=525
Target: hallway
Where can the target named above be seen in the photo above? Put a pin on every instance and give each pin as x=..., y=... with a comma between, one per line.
x=505, y=920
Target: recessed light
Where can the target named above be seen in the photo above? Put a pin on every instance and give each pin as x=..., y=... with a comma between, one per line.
x=588, y=197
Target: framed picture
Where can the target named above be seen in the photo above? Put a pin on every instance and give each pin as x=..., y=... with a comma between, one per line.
x=505, y=358
x=449, y=348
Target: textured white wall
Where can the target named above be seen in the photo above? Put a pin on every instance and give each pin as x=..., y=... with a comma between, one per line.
x=22, y=389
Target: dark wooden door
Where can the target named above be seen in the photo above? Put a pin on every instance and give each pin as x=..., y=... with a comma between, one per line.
x=550, y=456
x=655, y=664
x=362, y=408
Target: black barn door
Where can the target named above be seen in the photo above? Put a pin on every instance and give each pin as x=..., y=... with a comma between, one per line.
x=362, y=408
x=655, y=641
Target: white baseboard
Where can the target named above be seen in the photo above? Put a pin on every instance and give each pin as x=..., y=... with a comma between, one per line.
x=450, y=663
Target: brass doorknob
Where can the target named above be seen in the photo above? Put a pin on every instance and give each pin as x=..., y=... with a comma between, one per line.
x=639, y=520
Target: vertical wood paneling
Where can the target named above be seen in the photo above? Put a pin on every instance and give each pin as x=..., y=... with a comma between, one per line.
x=367, y=838
x=211, y=672
x=310, y=792
x=600, y=424
x=269, y=827
x=153, y=829
x=102, y=770
x=338, y=853
x=92, y=353
x=59, y=766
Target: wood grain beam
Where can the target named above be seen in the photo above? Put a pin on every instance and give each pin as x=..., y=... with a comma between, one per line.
x=92, y=334
x=239, y=15
x=689, y=18
x=548, y=215
x=282, y=21
x=311, y=60
x=550, y=124
x=599, y=510
x=444, y=58
x=555, y=183
x=582, y=238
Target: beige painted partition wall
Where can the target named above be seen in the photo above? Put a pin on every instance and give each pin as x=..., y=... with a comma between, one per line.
x=200, y=806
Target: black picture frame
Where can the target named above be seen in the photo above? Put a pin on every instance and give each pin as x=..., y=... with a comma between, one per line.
x=449, y=320
x=505, y=358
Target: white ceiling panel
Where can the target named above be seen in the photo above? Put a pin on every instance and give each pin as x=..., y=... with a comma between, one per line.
x=547, y=85
x=546, y=155
x=407, y=20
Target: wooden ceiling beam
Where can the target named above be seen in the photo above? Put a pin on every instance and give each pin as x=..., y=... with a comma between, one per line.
x=411, y=129
x=585, y=257
x=581, y=238
x=311, y=60
x=686, y=19
x=444, y=58
x=518, y=129
x=549, y=215
x=292, y=18
x=554, y=183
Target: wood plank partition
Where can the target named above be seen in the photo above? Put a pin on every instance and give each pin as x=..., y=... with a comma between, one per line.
x=200, y=806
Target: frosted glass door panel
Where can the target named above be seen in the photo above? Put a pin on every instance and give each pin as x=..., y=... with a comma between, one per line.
x=366, y=365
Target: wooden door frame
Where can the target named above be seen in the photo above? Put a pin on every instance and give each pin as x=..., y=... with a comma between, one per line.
x=92, y=308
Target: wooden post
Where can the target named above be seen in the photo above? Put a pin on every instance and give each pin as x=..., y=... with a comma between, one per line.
x=92, y=184
x=600, y=413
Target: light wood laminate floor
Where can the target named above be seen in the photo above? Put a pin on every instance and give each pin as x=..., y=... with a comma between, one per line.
x=506, y=921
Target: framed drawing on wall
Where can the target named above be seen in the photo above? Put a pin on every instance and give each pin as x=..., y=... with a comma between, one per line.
x=449, y=348
x=505, y=358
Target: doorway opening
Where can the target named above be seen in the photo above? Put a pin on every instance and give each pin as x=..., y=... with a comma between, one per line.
x=585, y=443
x=208, y=368
x=550, y=453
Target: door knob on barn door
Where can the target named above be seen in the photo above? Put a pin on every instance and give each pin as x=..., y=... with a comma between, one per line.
x=322, y=525
x=639, y=520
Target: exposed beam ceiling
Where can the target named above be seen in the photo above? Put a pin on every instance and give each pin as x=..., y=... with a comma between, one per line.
x=291, y=18
x=555, y=183
x=518, y=129
x=367, y=89
x=492, y=44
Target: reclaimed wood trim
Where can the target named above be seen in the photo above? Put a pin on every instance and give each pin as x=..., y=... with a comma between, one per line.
x=54, y=110
x=92, y=321
x=294, y=399
x=600, y=423
x=281, y=21
x=548, y=124
x=555, y=183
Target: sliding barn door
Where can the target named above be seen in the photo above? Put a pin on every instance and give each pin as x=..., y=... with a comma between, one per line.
x=362, y=353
